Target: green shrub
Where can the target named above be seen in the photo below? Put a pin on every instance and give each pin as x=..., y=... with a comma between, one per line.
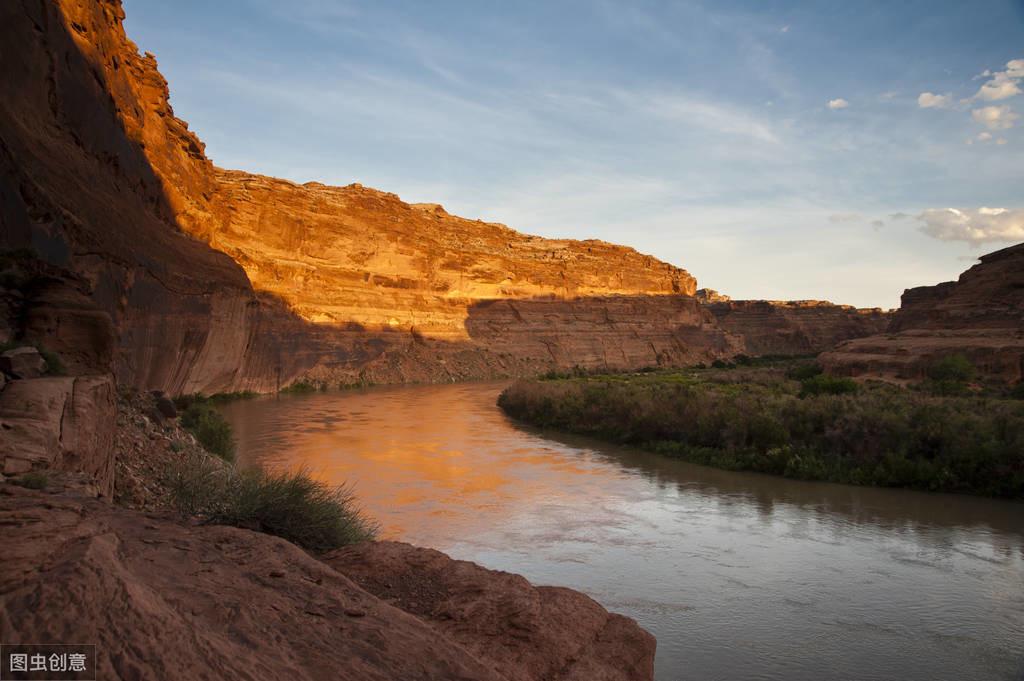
x=722, y=364
x=293, y=506
x=804, y=371
x=951, y=368
x=210, y=428
x=299, y=388
x=873, y=435
x=827, y=385
x=1017, y=391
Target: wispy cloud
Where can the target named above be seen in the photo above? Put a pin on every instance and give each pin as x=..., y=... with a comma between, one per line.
x=839, y=103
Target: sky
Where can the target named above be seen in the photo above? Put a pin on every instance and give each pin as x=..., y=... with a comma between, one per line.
x=782, y=150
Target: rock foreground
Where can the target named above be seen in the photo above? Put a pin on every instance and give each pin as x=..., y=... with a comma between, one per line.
x=161, y=599
x=980, y=316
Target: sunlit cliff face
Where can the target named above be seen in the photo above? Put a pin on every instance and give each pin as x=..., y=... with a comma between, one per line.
x=350, y=254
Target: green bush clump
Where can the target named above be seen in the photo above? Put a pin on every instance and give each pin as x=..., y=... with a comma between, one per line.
x=822, y=384
x=1017, y=391
x=300, y=388
x=952, y=368
x=872, y=435
x=293, y=506
x=804, y=371
x=210, y=428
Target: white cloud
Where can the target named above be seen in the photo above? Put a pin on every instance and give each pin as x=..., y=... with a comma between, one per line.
x=975, y=226
x=928, y=100
x=1003, y=84
x=784, y=29
x=995, y=117
x=845, y=217
x=878, y=224
x=838, y=104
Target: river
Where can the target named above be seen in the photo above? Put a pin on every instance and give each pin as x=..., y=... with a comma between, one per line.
x=739, y=576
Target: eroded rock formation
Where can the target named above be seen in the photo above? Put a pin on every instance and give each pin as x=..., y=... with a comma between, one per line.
x=336, y=283
x=793, y=327
x=981, y=316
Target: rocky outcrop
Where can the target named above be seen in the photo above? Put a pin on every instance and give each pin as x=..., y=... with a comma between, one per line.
x=980, y=316
x=56, y=408
x=794, y=327
x=221, y=280
x=161, y=599
x=522, y=631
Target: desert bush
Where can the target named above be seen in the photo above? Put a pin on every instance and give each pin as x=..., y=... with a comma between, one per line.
x=300, y=388
x=952, y=368
x=877, y=435
x=210, y=428
x=821, y=384
x=804, y=371
x=293, y=506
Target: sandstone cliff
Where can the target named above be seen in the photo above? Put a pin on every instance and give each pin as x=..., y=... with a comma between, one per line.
x=795, y=327
x=335, y=283
x=791, y=327
x=981, y=316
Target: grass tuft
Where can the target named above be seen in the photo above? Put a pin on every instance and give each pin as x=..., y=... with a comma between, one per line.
x=293, y=506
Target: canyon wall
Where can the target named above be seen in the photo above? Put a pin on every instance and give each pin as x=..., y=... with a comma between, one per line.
x=221, y=280
x=792, y=327
x=981, y=316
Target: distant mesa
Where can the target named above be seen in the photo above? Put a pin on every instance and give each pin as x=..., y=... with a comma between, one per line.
x=980, y=316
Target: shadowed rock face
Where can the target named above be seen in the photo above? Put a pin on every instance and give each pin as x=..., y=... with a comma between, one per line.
x=773, y=327
x=981, y=315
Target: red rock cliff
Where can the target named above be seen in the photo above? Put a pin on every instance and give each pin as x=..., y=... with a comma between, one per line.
x=981, y=316
x=98, y=175
x=792, y=327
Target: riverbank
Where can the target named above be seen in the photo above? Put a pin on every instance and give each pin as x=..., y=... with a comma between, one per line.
x=786, y=418
x=196, y=587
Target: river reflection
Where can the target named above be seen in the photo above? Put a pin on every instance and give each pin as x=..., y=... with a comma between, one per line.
x=740, y=576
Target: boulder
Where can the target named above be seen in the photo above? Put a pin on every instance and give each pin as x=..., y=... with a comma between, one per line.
x=23, y=362
x=524, y=632
x=65, y=423
x=165, y=406
x=163, y=599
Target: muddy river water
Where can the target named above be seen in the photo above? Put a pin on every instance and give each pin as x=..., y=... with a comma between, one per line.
x=739, y=576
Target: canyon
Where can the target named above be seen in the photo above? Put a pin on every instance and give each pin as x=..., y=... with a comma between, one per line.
x=132, y=263
x=220, y=280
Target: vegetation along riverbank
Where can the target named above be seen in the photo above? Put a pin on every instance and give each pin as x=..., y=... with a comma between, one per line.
x=787, y=418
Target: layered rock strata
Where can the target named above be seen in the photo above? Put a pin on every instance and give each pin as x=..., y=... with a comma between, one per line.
x=793, y=327
x=980, y=316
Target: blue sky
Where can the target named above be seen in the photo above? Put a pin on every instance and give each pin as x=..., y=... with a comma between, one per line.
x=774, y=149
